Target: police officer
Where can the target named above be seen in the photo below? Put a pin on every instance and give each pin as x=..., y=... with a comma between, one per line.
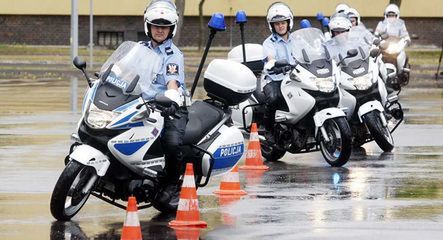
x=393, y=25
x=278, y=46
x=160, y=26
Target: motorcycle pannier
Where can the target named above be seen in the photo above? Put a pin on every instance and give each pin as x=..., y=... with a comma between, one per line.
x=228, y=81
x=254, y=56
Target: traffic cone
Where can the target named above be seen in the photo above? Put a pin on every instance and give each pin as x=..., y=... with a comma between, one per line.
x=230, y=184
x=187, y=233
x=187, y=212
x=254, y=159
x=131, y=227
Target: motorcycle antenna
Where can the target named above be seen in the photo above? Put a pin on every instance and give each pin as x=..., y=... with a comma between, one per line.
x=240, y=19
x=216, y=24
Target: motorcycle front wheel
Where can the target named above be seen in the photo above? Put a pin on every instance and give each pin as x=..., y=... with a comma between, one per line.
x=338, y=149
x=72, y=190
x=381, y=134
x=269, y=152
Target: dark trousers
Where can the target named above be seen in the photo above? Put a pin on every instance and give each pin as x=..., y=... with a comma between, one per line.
x=172, y=140
x=274, y=100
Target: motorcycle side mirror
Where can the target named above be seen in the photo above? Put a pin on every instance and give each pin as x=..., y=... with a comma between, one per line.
x=374, y=52
x=376, y=41
x=351, y=53
x=281, y=63
x=133, y=84
x=163, y=101
x=79, y=63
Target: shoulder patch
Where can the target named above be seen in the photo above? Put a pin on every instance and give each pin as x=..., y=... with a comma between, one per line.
x=172, y=69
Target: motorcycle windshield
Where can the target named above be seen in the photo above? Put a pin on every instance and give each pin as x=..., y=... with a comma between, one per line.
x=309, y=51
x=356, y=39
x=394, y=27
x=339, y=45
x=308, y=45
x=361, y=35
x=128, y=61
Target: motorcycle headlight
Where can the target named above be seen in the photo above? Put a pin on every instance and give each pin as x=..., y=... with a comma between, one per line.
x=98, y=118
x=325, y=84
x=363, y=82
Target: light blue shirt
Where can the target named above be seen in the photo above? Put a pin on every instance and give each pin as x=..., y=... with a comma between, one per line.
x=278, y=48
x=172, y=68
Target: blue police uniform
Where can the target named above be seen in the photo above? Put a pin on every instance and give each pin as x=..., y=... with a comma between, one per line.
x=174, y=128
x=172, y=68
x=278, y=48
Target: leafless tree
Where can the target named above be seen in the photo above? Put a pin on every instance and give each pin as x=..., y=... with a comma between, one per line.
x=396, y=2
x=181, y=13
x=201, y=28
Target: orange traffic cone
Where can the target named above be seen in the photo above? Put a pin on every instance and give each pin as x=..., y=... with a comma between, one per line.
x=187, y=212
x=187, y=233
x=230, y=184
x=131, y=227
x=254, y=159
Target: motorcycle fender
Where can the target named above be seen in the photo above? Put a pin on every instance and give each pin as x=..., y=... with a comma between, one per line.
x=90, y=156
x=369, y=107
x=325, y=114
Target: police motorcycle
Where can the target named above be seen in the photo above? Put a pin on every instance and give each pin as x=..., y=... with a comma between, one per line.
x=372, y=111
x=310, y=121
x=394, y=56
x=117, y=151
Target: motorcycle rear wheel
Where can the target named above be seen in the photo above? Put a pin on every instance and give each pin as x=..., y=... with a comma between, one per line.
x=381, y=135
x=69, y=195
x=338, y=150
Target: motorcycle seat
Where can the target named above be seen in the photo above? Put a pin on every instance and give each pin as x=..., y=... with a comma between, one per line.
x=202, y=118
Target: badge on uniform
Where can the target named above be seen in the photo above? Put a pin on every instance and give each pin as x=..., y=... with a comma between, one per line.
x=172, y=69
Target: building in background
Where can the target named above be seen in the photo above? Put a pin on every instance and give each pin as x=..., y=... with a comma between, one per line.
x=47, y=22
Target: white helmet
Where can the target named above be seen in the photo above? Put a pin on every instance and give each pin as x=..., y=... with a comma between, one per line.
x=339, y=23
x=161, y=13
x=353, y=13
x=392, y=8
x=278, y=12
x=342, y=8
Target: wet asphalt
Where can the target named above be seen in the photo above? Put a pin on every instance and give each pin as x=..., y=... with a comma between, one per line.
x=376, y=195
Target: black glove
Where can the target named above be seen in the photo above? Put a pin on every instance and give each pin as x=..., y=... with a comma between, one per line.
x=171, y=110
x=278, y=70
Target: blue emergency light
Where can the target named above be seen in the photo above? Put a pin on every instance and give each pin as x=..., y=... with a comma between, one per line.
x=217, y=22
x=240, y=17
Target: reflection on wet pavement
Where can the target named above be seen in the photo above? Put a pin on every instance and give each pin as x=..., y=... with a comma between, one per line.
x=376, y=195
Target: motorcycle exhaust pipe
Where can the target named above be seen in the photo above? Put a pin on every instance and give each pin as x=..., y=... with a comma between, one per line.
x=393, y=98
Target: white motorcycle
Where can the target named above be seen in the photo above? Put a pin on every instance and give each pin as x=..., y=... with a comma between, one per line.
x=394, y=56
x=117, y=151
x=368, y=105
x=310, y=121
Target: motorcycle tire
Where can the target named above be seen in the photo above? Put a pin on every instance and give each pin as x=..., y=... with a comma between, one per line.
x=381, y=135
x=270, y=153
x=67, y=197
x=338, y=150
